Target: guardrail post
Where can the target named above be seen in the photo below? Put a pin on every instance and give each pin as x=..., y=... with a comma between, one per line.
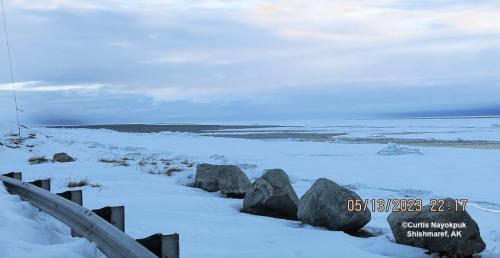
x=15, y=175
x=74, y=196
x=42, y=183
x=114, y=215
x=164, y=246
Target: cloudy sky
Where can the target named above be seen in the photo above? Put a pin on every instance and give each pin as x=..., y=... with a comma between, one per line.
x=98, y=61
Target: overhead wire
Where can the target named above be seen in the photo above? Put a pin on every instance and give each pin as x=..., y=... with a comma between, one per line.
x=7, y=44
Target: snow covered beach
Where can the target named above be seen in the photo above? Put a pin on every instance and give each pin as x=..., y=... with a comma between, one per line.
x=212, y=226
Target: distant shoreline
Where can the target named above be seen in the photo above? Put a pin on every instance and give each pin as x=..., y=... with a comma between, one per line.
x=156, y=128
x=437, y=117
x=279, y=132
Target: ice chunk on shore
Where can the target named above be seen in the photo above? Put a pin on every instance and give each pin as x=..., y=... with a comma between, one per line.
x=396, y=149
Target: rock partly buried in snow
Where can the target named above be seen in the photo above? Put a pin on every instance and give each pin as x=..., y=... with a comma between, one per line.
x=229, y=179
x=442, y=241
x=325, y=205
x=272, y=195
x=207, y=177
x=62, y=157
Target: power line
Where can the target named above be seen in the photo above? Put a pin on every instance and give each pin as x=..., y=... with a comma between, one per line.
x=10, y=66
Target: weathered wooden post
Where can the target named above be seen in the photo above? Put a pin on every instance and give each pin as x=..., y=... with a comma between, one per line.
x=42, y=183
x=75, y=196
x=165, y=246
x=114, y=215
x=15, y=175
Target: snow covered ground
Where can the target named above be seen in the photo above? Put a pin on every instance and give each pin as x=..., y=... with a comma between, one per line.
x=212, y=226
x=26, y=232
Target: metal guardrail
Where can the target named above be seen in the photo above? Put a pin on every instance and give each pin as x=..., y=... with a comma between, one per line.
x=109, y=239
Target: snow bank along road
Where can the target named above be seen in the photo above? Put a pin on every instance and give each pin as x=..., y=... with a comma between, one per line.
x=26, y=232
x=130, y=169
x=109, y=238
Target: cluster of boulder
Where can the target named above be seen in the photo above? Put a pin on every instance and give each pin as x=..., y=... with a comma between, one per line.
x=325, y=205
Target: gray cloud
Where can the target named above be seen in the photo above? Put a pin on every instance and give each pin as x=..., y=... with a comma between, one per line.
x=195, y=60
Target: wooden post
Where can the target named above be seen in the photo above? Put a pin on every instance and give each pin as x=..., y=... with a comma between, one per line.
x=74, y=196
x=164, y=246
x=42, y=183
x=15, y=175
x=114, y=215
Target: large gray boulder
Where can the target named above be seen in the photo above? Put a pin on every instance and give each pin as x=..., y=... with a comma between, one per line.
x=445, y=241
x=207, y=177
x=232, y=181
x=325, y=205
x=62, y=157
x=272, y=195
x=229, y=179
